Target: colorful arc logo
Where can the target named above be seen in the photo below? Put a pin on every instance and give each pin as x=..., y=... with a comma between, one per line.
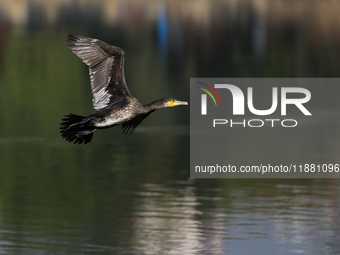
x=204, y=97
x=213, y=90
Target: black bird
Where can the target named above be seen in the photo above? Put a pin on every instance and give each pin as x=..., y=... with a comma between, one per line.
x=112, y=99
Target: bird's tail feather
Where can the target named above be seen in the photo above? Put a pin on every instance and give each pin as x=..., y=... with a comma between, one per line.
x=75, y=128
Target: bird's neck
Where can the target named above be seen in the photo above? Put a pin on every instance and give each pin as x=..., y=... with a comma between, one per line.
x=153, y=105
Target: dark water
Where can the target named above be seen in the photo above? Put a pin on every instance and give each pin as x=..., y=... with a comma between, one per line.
x=132, y=194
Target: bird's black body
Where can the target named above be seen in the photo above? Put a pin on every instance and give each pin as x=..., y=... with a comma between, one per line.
x=112, y=99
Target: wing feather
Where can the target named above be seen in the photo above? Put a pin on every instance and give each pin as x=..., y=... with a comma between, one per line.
x=106, y=69
x=130, y=126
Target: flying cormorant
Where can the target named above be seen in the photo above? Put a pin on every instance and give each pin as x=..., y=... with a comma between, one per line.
x=112, y=99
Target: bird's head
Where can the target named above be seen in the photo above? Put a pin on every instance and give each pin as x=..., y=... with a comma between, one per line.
x=165, y=103
x=171, y=102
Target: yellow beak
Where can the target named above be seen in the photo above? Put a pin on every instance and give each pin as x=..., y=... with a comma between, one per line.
x=176, y=103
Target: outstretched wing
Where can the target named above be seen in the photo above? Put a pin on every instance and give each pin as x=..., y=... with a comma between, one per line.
x=130, y=126
x=106, y=68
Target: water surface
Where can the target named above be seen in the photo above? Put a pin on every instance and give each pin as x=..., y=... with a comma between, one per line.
x=132, y=194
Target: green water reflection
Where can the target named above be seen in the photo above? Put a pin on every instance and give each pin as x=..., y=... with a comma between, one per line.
x=131, y=194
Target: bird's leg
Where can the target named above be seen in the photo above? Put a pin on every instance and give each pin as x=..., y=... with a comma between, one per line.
x=79, y=123
x=85, y=132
